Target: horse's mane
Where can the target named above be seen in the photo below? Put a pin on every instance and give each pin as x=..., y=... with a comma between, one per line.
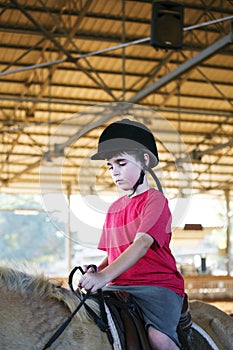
x=41, y=287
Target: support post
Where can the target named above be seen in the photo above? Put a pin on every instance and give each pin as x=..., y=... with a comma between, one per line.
x=69, y=234
x=228, y=232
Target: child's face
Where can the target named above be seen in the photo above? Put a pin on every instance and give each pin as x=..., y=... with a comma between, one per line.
x=125, y=170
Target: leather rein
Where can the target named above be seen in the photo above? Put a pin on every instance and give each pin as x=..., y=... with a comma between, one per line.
x=101, y=322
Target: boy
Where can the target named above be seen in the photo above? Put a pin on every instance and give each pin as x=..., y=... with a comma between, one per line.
x=137, y=233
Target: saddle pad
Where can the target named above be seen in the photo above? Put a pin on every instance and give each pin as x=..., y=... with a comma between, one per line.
x=128, y=320
x=114, y=332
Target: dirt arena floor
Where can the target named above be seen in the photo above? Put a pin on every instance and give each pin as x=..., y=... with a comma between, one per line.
x=226, y=306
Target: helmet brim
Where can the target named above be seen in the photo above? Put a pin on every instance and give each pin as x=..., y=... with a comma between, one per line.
x=106, y=155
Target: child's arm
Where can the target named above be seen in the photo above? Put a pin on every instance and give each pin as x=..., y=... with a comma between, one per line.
x=127, y=259
x=103, y=264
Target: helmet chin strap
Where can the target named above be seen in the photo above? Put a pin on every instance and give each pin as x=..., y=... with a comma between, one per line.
x=139, y=182
x=155, y=179
x=141, y=178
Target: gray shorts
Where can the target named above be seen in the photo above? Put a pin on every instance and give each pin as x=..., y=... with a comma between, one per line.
x=161, y=307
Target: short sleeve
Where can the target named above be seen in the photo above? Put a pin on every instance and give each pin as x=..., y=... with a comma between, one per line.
x=156, y=218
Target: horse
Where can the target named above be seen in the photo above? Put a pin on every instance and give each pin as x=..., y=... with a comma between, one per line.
x=32, y=308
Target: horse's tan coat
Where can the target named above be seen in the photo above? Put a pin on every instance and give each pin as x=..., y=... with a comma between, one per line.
x=216, y=323
x=32, y=309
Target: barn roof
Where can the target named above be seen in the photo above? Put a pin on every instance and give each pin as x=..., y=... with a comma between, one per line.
x=68, y=68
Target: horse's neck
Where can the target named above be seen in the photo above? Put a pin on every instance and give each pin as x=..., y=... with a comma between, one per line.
x=28, y=322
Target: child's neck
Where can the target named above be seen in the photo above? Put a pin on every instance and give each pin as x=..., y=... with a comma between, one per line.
x=141, y=188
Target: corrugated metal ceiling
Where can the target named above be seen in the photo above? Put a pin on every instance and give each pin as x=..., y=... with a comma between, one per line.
x=192, y=109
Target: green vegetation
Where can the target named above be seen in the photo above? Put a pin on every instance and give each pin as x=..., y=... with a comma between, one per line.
x=27, y=234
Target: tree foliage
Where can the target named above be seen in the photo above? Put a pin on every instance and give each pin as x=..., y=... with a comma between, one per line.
x=28, y=237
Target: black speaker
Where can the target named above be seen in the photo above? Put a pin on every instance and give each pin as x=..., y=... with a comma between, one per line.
x=167, y=25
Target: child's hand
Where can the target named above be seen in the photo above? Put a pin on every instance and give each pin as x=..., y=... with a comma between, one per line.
x=92, y=281
x=88, y=268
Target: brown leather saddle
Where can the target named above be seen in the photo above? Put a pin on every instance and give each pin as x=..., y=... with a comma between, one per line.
x=127, y=317
x=129, y=322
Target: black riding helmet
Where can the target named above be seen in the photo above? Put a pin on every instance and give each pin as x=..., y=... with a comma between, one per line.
x=127, y=135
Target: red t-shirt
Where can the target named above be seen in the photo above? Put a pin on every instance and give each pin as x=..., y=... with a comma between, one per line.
x=147, y=212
